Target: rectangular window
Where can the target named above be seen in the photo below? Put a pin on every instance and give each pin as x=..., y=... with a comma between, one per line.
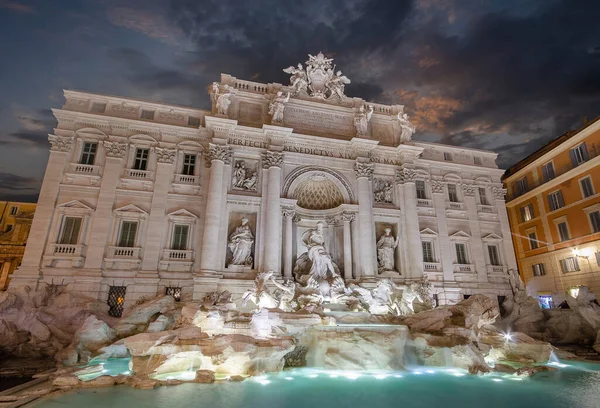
x=595, y=221
x=180, y=237
x=538, y=269
x=461, y=254
x=527, y=212
x=548, y=171
x=555, y=200
x=98, y=107
x=563, y=231
x=141, y=159
x=579, y=155
x=428, y=255
x=452, y=193
x=421, y=193
x=128, y=232
x=494, y=255
x=148, y=114
x=189, y=164
x=193, y=121
x=88, y=154
x=482, y=196
x=587, y=188
x=14, y=210
x=447, y=156
x=569, y=264
x=477, y=160
x=522, y=185
x=533, y=242
x=70, y=231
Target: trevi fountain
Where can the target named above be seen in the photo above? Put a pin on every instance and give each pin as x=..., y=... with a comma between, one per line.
x=340, y=289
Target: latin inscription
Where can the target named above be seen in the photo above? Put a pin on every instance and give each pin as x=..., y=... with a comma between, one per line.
x=323, y=122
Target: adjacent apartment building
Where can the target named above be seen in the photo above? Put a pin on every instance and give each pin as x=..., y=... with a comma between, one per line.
x=554, y=208
x=15, y=223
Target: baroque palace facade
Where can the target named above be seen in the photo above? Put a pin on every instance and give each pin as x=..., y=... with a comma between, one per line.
x=142, y=198
x=554, y=209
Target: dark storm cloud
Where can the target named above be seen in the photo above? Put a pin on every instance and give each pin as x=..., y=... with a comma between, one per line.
x=14, y=187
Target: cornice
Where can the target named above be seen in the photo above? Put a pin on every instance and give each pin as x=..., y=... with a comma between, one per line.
x=113, y=121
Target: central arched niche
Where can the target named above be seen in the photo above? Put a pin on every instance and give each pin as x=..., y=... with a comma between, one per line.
x=317, y=188
x=318, y=193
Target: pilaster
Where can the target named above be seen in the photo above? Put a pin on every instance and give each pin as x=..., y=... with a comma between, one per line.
x=446, y=251
x=509, y=249
x=476, y=244
x=364, y=176
x=29, y=271
x=273, y=160
x=413, y=251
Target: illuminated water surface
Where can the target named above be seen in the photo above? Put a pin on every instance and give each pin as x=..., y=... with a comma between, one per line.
x=577, y=385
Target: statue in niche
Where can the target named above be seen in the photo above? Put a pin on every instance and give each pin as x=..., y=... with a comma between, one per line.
x=386, y=245
x=242, y=178
x=298, y=80
x=240, y=244
x=316, y=270
x=222, y=100
x=277, y=106
x=361, y=120
x=383, y=192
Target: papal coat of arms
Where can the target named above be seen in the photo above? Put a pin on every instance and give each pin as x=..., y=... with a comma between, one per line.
x=319, y=79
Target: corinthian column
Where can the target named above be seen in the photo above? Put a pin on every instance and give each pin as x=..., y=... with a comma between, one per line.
x=217, y=157
x=288, y=215
x=405, y=179
x=366, y=222
x=273, y=161
x=347, y=218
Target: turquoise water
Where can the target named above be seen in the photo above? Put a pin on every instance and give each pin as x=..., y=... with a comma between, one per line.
x=575, y=386
x=111, y=366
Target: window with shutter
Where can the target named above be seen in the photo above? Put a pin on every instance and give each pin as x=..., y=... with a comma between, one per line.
x=522, y=185
x=548, y=171
x=421, y=193
x=128, y=233
x=595, y=221
x=461, y=254
x=180, y=237
x=533, y=242
x=587, y=188
x=494, y=255
x=70, y=231
x=569, y=264
x=527, y=213
x=579, y=155
x=555, y=200
x=563, y=231
x=483, y=196
x=428, y=255
x=452, y=193
x=538, y=269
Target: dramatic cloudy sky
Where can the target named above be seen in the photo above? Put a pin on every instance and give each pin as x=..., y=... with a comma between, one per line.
x=505, y=75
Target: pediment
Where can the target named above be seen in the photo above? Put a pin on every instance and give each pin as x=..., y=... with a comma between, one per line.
x=88, y=131
x=428, y=231
x=492, y=237
x=75, y=205
x=131, y=209
x=183, y=213
x=460, y=234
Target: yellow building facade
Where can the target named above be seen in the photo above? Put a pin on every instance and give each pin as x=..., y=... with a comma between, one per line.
x=15, y=223
x=553, y=203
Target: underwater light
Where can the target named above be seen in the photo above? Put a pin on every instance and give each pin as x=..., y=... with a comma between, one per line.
x=557, y=364
x=398, y=376
x=459, y=374
x=352, y=376
x=507, y=337
x=289, y=378
x=333, y=376
x=264, y=382
x=313, y=376
x=430, y=372
x=417, y=372
x=496, y=379
x=380, y=376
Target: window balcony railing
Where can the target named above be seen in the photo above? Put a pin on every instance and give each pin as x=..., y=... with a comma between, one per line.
x=185, y=179
x=66, y=250
x=85, y=169
x=138, y=174
x=486, y=208
x=178, y=255
x=464, y=268
x=115, y=252
x=496, y=269
x=422, y=202
x=451, y=205
x=431, y=266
